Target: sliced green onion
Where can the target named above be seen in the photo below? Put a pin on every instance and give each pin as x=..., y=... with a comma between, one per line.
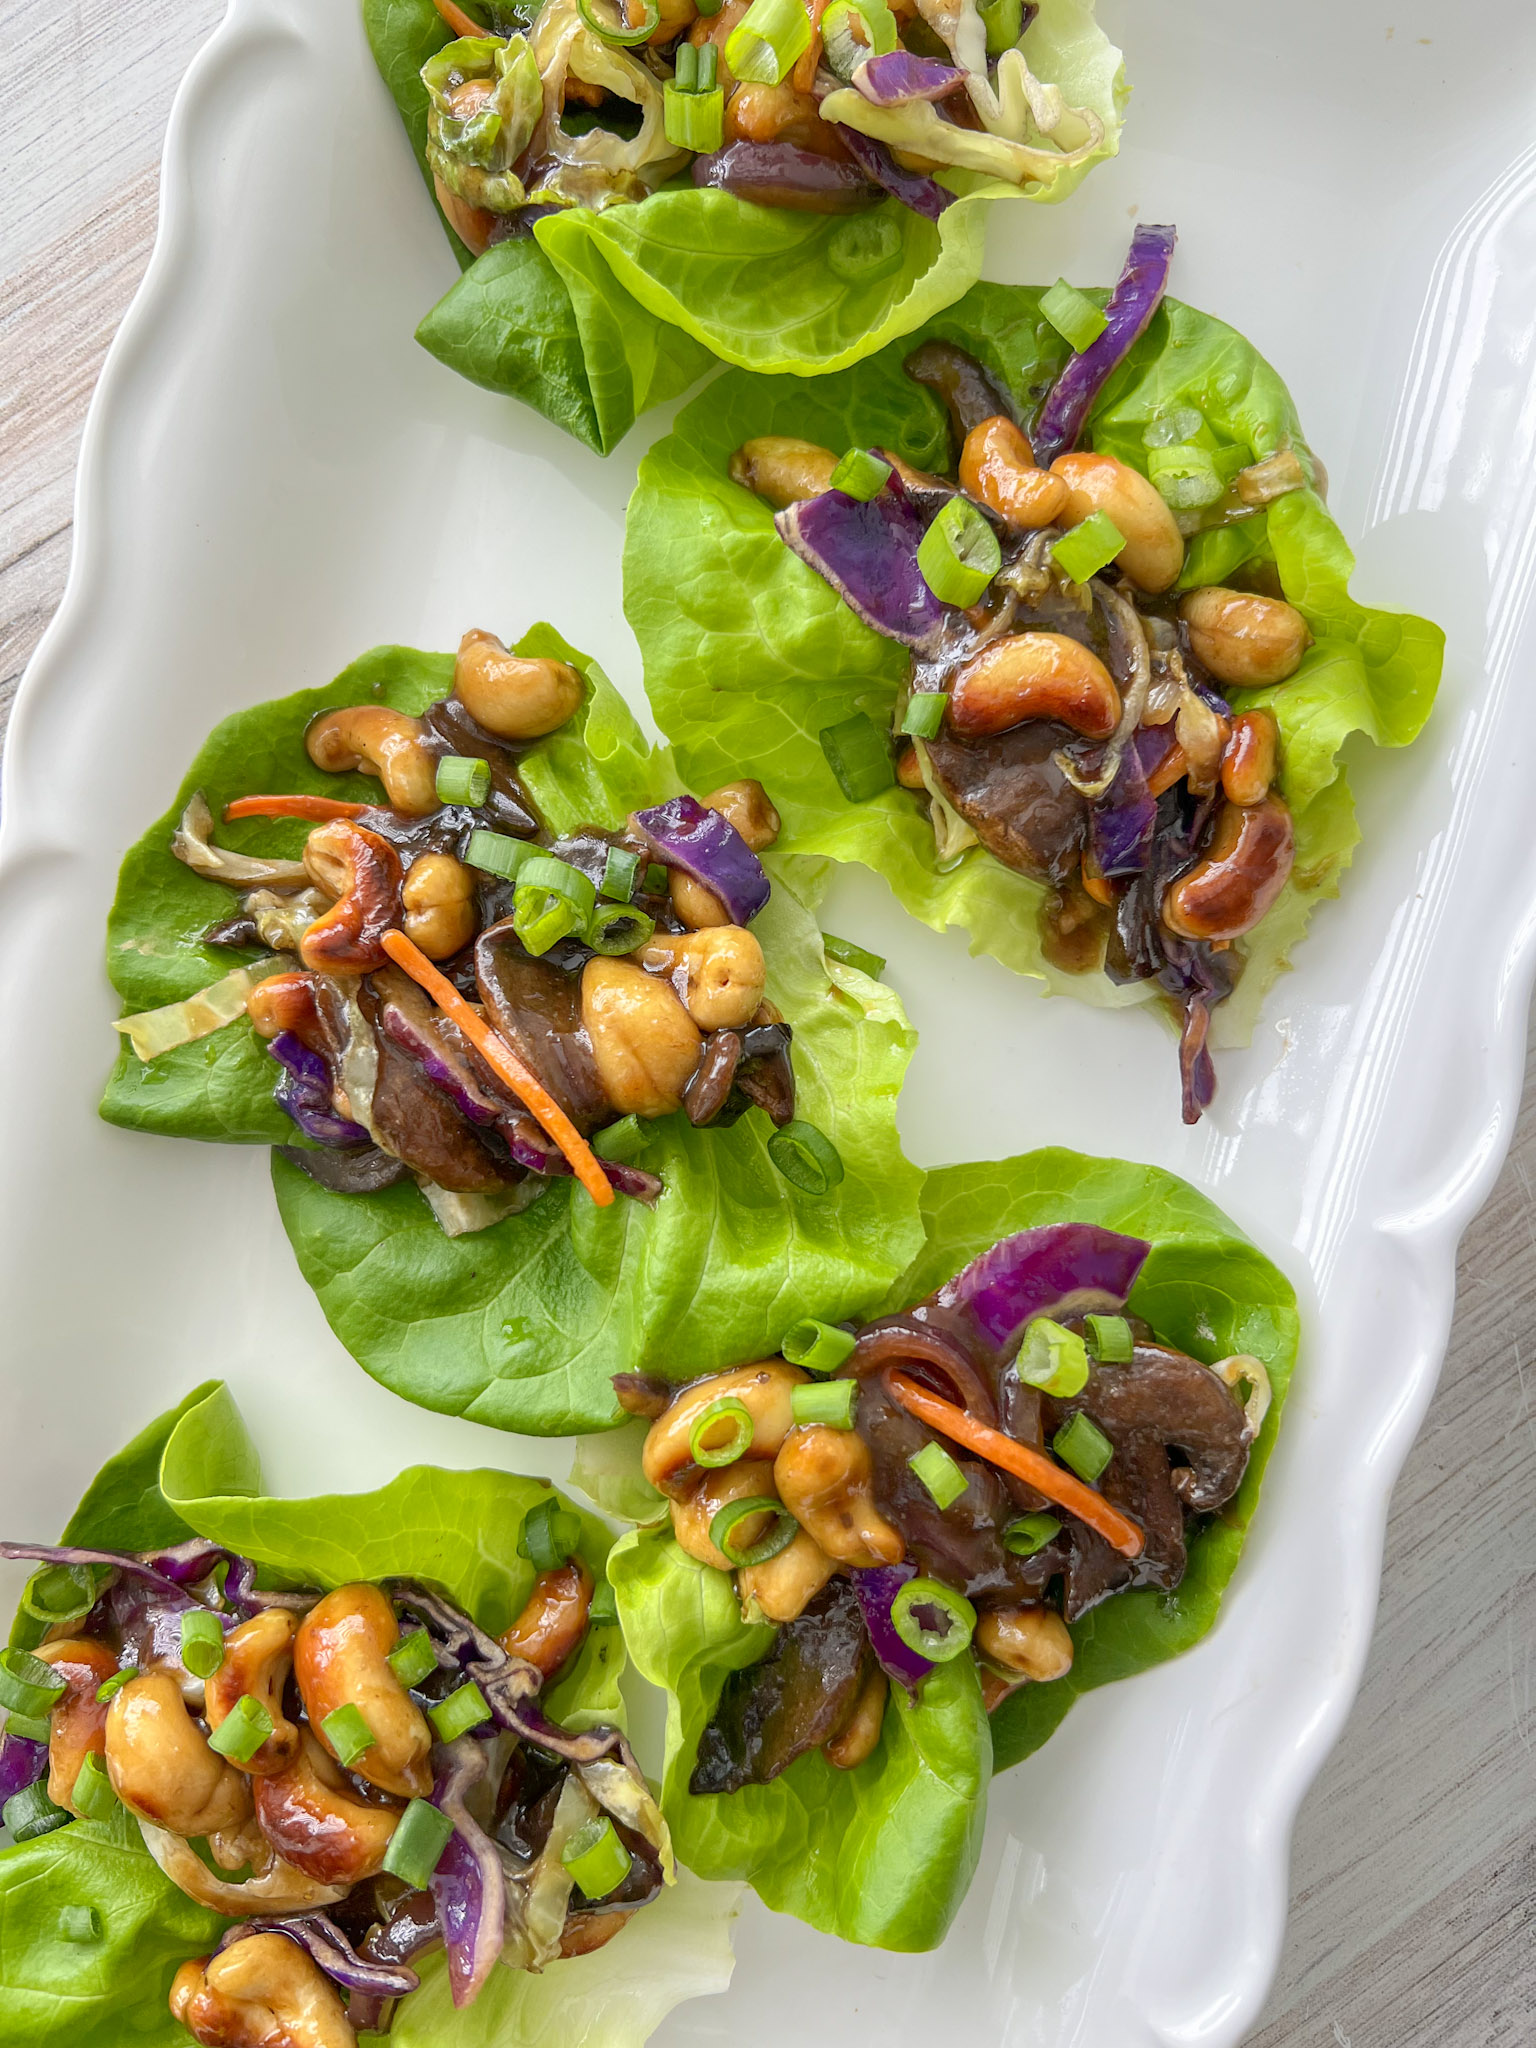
x=827, y=1404
x=685, y=67
x=92, y=1796
x=924, y=714
x=861, y=475
x=202, y=1642
x=1053, y=1359
x=26, y=1728
x=619, y=873
x=113, y=1685
x=959, y=555
x=1088, y=548
x=655, y=879
x=721, y=1433
x=461, y=1711
x=604, y=1606
x=1187, y=477
x=1182, y=424
x=31, y=1813
x=694, y=120
x=545, y=871
x=28, y=1685
x=243, y=1730
x=939, y=1473
x=709, y=7
x=596, y=1859
x=79, y=1924
x=764, y=44
x=348, y=1733
x=933, y=1619
x=858, y=756
x=1081, y=1444
x=709, y=67
x=416, y=1847
x=781, y=1532
x=819, y=1347
x=615, y=928
x=854, y=30
x=1110, y=1339
x=59, y=1593
x=549, y=1535
x=612, y=31
x=805, y=1158
x=1075, y=318
x=847, y=954
x=553, y=899
x=413, y=1658
x=497, y=854
x=1030, y=1533
x=463, y=779
x=1004, y=23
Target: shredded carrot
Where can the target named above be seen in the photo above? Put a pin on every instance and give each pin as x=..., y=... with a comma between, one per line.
x=505, y=1064
x=320, y=808
x=1032, y=1466
x=461, y=23
x=803, y=77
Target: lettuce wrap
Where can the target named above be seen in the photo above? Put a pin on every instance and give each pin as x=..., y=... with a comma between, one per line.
x=195, y=1473
x=522, y=1325
x=883, y=1854
x=749, y=654
x=601, y=313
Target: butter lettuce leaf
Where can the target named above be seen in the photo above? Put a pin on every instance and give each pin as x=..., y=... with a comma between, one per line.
x=524, y=1324
x=749, y=654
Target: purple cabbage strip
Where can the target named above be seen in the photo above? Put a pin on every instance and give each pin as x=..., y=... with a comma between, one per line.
x=469, y=1885
x=304, y=1093
x=323, y=1941
x=915, y=189
x=779, y=174
x=68, y=1553
x=686, y=834
x=867, y=550
x=240, y=1590
x=1121, y=826
x=22, y=1763
x=898, y=78
x=1058, y=1269
x=877, y=1590
x=1135, y=298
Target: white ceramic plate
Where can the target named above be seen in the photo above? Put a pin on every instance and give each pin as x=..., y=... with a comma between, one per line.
x=275, y=477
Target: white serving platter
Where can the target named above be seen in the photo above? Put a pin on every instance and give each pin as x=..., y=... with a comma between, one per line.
x=274, y=477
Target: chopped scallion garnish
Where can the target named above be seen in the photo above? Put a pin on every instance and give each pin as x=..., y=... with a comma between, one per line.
x=497, y=854
x=825, y=1404
x=765, y=43
x=780, y=1531
x=31, y=1813
x=109, y=1686
x=28, y=1685
x=79, y=1924
x=933, y=1619
x=26, y=1728
x=847, y=954
x=59, y=1593
x=615, y=928
x=861, y=475
x=1187, y=477
x=463, y=779
x=819, y=1347
x=553, y=899
x=202, y=1642
x=243, y=1730
x=924, y=714
x=549, y=1535
x=348, y=1734
x=416, y=1847
x=461, y=1711
x=939, y=1473
x=806, y=1159
x=959, y=555
x=1110, y=1339
x=612, y=29
x=1081, y=1444
x=1030, y=1533
x=92, y=1796
x=693, y=119
x=1053, y=1359
x=1088, y=547
x=604, y=1606
x=854, y=30
x=721, y=1433
x=685, y=67
x=1004, y=23
x=1075, y=318
x=619, y=873
x=858, y=756
x=413, y=1658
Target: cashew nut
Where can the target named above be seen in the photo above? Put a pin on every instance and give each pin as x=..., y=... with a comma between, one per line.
x=472, y=224
x=515, y=696
x=438, y=896
x=745, y=804
x=317, y=1823
x=858, y=1738
x=362, y=871
x=782, y=471
x=1245, y=641
x=765, y=1390
x=258, y=1656
x=279, y=1888
x=777, y=113
x=784, y=1586
x=1031, y=1640
x=693, y=904
x=339, y=1660
x=1034, y=675
x=997, y=466
x=693, y=1515
x=1153, y=553
x=644, y=1043
x=1244, y=869
x=381, y=742
x=283, y=1002
x=717, y=974
x=909, y=768
x=1249, y=759
x=77, y=1722
x=826, y=1480
x=161, y=1766
x=550, y=1628
x=261, y=1992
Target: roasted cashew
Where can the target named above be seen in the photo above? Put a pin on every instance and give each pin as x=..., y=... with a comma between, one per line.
x=1153, y=553
x=783, y=1587
x=258, y=1656
x=858, y=1738
x=263, y=1991
x=161, y=1766
x=362, y=871
x=1034, y=675
x=1245, y=641
x=997, y=466
x=283, y=1002
x=472, y=224
x=515, y=696
x=278, y=1888
x=1249, y=759
x=316, y=1823
x=826, y=1480
x=1246, y=865
x=438, y=897
x=644, y=1043
x=718, y=974
x=693, y=904
x=77, y=1723
x=781, y=471
x=765, y=1390
x=745, y=804
x=550, y=1628
x=380, y=742
x=693, y=1515
x=1033, y=1641
x=339, y=1660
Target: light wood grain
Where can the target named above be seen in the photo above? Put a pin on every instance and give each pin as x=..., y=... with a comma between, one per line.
x=1415, y=1859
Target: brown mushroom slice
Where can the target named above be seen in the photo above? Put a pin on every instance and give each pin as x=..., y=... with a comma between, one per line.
x=537, y=1010
x=414, y=1119
x=1012, y=793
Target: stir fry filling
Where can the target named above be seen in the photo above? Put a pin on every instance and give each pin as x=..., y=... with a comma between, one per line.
x=1065, y=708
x=791, y=103
x=470, y=1000
x=965, y=1478
x=354, y=1777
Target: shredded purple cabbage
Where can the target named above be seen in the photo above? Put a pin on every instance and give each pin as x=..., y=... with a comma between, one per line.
x=866, y=548
x=877, y=1590
x=686, y=834
x=304, y=1093
x=153, y=1570
x=915, y=189
x=1122, y=824
x=22, y=1763
x=323, y=1941
x=1135, y=298
x=469, y=1885
x=898, y=78
x=1058, y=1269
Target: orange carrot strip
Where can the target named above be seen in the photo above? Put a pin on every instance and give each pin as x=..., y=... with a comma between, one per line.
x=505, y=1064
x=320, y=808
x=1032, y=1466
x=461, y=23
x=803, y=77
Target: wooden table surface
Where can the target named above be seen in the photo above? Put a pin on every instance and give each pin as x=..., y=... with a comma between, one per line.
x=1413, y=1903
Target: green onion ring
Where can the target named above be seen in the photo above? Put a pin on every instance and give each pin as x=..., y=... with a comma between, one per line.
x=627, y=37
x=784, y=1531
x=805, y=1158
x=739, y=1443
x=938, y=1647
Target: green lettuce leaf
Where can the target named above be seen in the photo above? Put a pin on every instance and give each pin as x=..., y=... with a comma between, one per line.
x=883, y=1854
x=524, y=1324
x=749, y=654
x=654, y=292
